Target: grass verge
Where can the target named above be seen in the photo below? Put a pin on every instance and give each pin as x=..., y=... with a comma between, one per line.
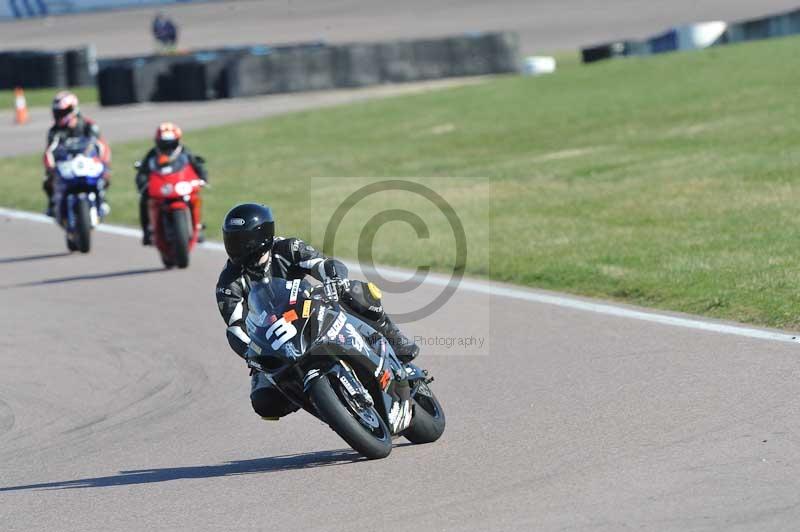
x=665, y=181
x=44, y=97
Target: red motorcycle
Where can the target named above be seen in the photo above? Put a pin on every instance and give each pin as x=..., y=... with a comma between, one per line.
x=174, y=203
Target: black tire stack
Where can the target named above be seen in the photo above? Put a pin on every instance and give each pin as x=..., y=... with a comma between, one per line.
x=32, y=69
x=251, y=71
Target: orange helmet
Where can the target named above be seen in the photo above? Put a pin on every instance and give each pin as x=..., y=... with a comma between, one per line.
x=168, y=141
x=65, y=108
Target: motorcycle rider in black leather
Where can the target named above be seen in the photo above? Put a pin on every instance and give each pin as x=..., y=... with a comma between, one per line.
x=255, y=253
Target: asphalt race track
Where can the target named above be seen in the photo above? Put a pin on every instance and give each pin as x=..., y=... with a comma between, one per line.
x=122, y=408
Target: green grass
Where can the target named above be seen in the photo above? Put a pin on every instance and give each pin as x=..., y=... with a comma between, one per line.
x=44, y=97
x=665, y=181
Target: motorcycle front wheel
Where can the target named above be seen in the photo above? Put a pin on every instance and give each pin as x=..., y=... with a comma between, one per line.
x=181, y=220
x=83, y=226
x=362, y=428
x=428, y=422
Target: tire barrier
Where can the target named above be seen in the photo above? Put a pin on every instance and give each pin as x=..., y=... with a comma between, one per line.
x=397, y=62
x=432, y=59
x=614, y=49
x=115, y=84
x=598, y=52
x=357, y=65
x=198, y=80
x=251, y=71
x=126, y=82
x=319, y=70
x=32, y=69
x=42, y=69
x=153, y=79
x=81, y=66
x=251, y=75
x=700, y=35
x=138, y=80
x=780, y=25
x=503, y=51
x=471, y=56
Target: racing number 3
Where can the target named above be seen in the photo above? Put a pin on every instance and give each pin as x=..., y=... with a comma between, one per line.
x=283, y=331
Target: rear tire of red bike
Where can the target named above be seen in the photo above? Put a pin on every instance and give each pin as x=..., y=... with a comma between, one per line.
x=183, y=233
x=168, y=264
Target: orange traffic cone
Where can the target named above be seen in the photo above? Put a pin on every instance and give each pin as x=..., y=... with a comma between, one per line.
x=21, y=106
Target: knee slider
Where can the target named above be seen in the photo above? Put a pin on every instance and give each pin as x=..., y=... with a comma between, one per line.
x=270, y=403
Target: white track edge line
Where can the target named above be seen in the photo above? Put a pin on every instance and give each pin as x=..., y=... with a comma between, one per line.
x=497, y=290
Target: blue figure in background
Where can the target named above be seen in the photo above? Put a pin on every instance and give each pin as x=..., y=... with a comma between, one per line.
x=165, y=31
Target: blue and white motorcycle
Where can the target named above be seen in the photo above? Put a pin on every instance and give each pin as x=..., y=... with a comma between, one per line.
x=79, y=190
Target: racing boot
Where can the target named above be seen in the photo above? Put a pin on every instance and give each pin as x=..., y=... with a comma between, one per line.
x=147, y=237
x=144, y=219
x=47, y=186
x=201, y=234
x=105, y=208
x=405, y=349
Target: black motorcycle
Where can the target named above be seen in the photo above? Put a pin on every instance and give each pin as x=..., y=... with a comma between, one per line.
x=337, y=367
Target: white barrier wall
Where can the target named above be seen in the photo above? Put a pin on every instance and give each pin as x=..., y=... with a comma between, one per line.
x=701, y=35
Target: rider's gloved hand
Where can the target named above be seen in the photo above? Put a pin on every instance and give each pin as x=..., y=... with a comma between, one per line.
x=331, y=289
x=336, y=283
x=336, y=288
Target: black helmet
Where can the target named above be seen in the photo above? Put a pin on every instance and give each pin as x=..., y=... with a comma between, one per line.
x=248, y=231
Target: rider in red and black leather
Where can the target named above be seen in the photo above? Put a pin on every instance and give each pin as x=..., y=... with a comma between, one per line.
x=254, y=252
x=168, y=147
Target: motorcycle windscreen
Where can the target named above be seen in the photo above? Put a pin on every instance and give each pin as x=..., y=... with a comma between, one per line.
x=73, y=146
x=78, y=165
x=169, y=166
x=272, y=321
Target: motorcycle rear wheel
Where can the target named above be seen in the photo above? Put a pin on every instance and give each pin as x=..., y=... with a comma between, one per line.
x=168, y=264
x=372, y=445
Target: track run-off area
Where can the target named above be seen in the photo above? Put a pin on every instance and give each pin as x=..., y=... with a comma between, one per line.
x=122, y=407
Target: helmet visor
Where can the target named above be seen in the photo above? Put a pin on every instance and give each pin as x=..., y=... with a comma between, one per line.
x=167, y=147
x=60, y=115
